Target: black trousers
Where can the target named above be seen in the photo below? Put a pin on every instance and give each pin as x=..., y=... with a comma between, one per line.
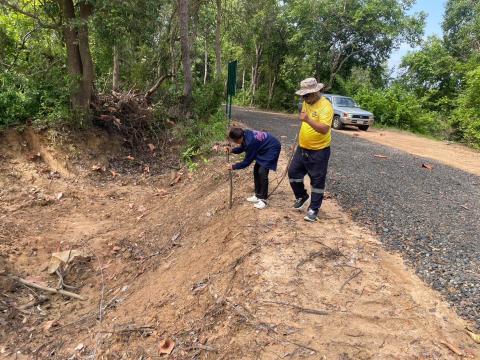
x=260, y=178
x=313, y=163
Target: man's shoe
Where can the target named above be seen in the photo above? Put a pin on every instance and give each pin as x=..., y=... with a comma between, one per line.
x=261, y=204
x=253, y=199
x=312, y=215
x=300, y=202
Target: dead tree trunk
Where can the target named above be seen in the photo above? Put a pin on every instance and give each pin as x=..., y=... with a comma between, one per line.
x=185, y=48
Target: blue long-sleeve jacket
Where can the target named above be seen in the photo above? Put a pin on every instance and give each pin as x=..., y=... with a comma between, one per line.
x=260, y=146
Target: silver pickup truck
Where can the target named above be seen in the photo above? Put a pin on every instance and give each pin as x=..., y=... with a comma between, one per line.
x=347, y=112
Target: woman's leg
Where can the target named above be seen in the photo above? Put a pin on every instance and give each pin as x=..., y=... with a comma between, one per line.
x=263, y=179
x=256, y=180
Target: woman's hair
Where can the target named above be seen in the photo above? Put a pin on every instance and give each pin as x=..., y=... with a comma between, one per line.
x=235, y=133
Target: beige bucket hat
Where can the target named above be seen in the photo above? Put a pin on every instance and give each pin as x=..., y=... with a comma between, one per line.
x=309, y=86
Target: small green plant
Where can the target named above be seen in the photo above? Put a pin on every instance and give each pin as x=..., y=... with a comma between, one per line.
x=200, y=136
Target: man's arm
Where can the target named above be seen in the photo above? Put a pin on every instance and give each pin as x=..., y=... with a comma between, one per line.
x=318, y=127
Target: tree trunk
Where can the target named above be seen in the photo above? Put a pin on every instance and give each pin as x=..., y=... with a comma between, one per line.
x=185, y=48
x=74, y=64
x=79, y=60
x=252, y=85
x=258, y=54
x=270, y=90
x=243, y=79
x=88, y=70
x=218, y=44
x=205, y=74
x=116, y=69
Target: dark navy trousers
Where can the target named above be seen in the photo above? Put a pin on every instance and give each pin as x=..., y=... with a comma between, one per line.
x=313, y=163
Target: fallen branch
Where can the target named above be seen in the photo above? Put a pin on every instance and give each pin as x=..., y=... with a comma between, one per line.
x=253, y=320
x=353, y=276
x=203, y=347
x=240, y=259
x=48, y=289
x=452, y=348
x=297, y=307
x=155, y=87
x=130, y=328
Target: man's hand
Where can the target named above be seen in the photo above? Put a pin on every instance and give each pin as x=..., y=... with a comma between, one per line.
x=303, y=116
x=227, y=149
x=229, y=167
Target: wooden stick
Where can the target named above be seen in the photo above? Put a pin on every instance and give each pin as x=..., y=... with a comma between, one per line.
x=48, y=289
x=203, y=347
x=296, y=307
x=353, y=276
x=452, y=348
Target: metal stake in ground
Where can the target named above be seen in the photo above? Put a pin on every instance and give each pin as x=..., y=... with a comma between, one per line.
x=230, y=175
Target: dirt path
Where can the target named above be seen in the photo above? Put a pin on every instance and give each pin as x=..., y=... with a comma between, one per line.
x=172, y=262
x=429, y=216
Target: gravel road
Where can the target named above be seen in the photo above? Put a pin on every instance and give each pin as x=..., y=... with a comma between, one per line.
x=431, y=216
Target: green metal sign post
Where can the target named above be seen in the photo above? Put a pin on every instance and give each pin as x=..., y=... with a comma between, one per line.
x=231, y=87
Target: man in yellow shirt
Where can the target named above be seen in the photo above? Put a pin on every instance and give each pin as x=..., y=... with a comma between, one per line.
x=313, y=151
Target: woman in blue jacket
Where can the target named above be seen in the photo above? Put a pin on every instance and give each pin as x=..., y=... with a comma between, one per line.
x=262, y=147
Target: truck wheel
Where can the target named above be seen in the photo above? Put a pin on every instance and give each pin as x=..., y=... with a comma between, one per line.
x=363, y=127
x=337, y=124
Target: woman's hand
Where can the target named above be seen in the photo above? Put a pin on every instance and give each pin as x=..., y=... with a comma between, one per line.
x=229, y=167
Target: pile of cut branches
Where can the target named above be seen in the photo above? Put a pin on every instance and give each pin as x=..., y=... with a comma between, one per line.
x=130, y=115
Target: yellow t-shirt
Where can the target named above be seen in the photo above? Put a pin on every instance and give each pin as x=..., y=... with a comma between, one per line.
x=321, y=112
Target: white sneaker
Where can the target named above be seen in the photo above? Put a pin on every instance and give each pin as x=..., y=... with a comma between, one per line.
x=253, y=199
x=260, y=204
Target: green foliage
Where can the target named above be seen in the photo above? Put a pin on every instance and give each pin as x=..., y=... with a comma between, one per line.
x=15, y=106
x=461, y=26
x=344, y=44
x=200, y=135
x=465, y=118
x=207, y=99
x=399, y=108
x=431, y=73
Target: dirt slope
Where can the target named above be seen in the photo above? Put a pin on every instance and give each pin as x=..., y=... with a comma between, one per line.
x=173, y=262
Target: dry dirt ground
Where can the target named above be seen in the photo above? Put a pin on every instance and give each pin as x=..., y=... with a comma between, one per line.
x=166, y=260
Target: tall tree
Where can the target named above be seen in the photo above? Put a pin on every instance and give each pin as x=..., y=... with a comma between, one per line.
x=218, y=43
x=461, y=26
x=74, y=25
x=339, y=35
x=183, y=18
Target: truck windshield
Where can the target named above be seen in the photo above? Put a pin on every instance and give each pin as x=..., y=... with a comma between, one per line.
x=345, y=102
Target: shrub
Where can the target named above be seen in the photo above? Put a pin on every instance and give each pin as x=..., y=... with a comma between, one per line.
x=465, y=119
